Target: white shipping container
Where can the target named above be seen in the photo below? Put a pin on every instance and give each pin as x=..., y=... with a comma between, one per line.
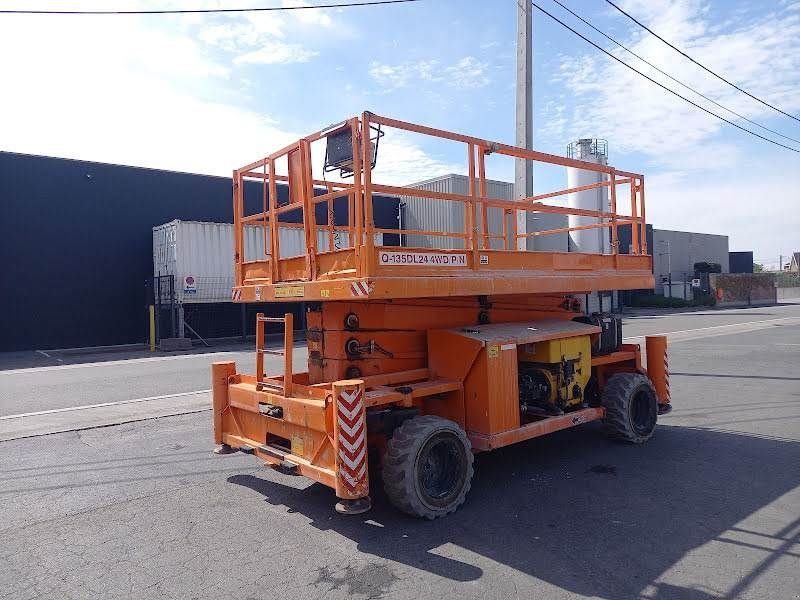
x=200, y=255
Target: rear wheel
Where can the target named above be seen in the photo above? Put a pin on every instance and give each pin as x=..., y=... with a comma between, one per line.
x=631, y=407
x=427, y=468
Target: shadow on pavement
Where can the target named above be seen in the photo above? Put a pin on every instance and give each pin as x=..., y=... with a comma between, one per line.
x=582, y=513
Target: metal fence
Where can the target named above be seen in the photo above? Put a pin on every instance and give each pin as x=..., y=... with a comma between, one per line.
x=210, y=315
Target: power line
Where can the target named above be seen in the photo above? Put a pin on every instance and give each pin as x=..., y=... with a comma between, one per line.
x=661, y=85
x=718, y=76
x=647, y=62
x=199, y=10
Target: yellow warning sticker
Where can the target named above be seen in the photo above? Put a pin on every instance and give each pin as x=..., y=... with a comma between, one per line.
x=493, y=351
x=290, y=291
x=297, y=445
x=324, y=293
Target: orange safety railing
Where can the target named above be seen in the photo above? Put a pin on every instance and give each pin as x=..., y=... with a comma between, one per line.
x=305, y=192
x=263, y=382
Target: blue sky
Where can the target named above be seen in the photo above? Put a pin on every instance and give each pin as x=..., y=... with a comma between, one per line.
x=209, y=93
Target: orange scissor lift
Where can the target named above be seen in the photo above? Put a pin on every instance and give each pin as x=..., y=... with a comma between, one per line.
x=420, y=357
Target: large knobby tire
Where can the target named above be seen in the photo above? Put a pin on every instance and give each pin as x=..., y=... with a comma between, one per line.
x=427, y=468
x=631, y=408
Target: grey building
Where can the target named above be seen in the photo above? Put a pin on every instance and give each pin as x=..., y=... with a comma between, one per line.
x=427, y=214
x=677, y=251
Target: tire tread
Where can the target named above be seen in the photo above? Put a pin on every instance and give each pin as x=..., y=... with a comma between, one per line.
x=616, y=397
x=398, y=464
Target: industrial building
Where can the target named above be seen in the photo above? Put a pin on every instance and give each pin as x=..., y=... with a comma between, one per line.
x=81, y=276
x=673, y=252
x=676, y=252
x=448, y=216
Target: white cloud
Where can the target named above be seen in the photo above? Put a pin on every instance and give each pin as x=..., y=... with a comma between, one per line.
x=276, y=53
x=639, y=117
x=756, y=208
x=466, y=73
x=262, y=37
x=320, y=18
x=400, y=75
x=696, y=179
x=402, y=161
x=124, y=91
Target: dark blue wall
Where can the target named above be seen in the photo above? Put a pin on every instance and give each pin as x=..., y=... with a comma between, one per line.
x=624, y=233
x=740, y=262
x=76, y=244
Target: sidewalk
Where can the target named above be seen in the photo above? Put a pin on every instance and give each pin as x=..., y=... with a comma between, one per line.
x=26, y=359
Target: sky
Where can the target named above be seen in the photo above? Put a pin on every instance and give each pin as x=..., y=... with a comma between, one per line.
x=209, y=93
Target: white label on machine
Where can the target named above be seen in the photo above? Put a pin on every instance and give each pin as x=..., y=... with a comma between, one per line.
x=434, y=259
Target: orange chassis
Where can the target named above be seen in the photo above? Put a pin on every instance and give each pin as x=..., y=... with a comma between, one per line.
x=391, y=334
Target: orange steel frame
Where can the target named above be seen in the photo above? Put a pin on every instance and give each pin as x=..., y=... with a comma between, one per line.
x=328, y=274
x=315, y=423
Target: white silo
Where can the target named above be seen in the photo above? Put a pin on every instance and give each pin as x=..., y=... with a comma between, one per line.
x=597, y=240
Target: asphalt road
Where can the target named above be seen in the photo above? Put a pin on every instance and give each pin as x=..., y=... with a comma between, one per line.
x=709, y=508
x=62, y=381
x=118, y=379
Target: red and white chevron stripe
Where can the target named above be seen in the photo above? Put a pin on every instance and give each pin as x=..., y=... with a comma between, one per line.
x=352, y=443
x=666, y=376
x=360, y=288
x=236, y=295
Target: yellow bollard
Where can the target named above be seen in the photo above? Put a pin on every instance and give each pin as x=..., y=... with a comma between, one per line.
x=152, y=319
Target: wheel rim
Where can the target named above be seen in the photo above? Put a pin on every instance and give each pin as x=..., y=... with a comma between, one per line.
x=643, y=412
x=440, y=471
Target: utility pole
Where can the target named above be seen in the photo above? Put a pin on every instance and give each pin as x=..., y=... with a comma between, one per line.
x=523, y=180
x=669, y=267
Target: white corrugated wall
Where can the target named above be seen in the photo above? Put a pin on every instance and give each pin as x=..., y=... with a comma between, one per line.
x=448, y=215
x=442, y=215
x=204, y=251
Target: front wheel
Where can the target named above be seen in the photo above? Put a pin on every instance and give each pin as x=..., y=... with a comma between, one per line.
x=631, y=407
x=427, y=468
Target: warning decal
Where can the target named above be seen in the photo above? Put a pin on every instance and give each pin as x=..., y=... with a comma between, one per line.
x=189, y=285
x=431, y=259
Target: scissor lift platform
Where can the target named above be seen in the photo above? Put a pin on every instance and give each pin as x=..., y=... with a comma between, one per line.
x=412, y=348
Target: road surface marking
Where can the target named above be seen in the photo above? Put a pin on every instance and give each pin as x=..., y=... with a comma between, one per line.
x=73, y=408
x=110, y=363
x=717, y=327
